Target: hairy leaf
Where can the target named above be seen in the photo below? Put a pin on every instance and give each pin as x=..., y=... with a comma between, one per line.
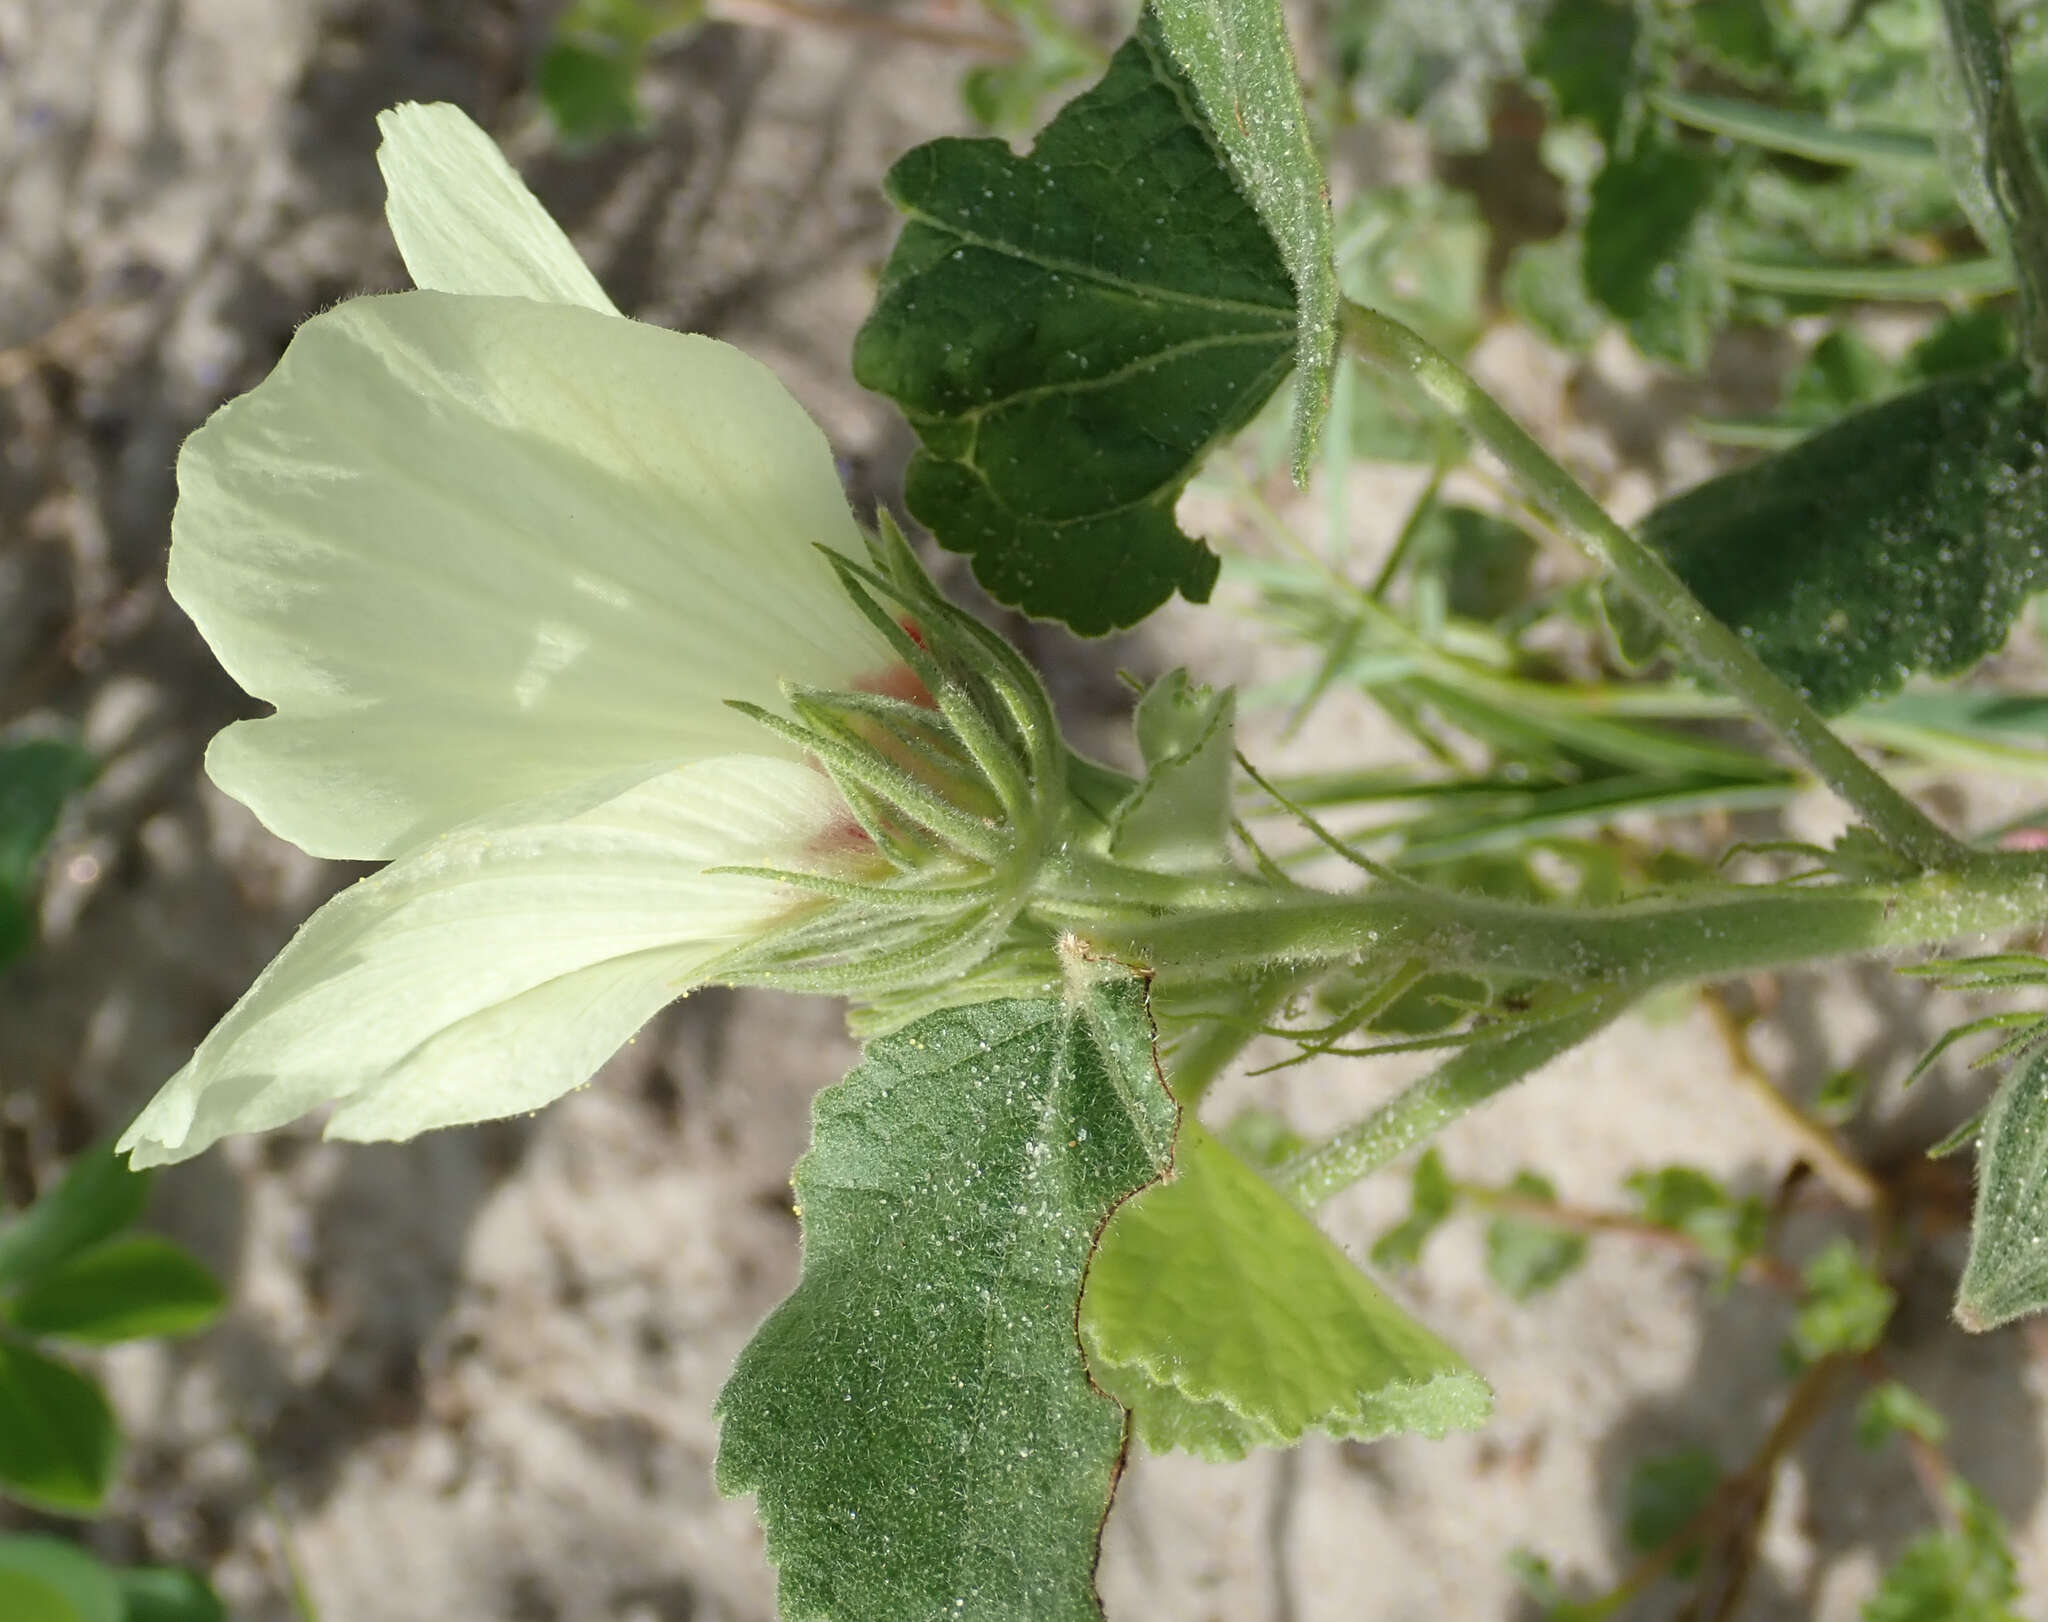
x=58, y=1443
x=1069, y=333
x=916, y=1418
x=2006, y=1276
x=1903, y=538
x=1226, y=1320
x=125, y=1289
x=1236, y=55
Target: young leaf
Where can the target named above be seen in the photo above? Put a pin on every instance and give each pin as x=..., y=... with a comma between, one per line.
x=1236, y=55
x=88, y=1590
x=1226, y=1320
x=1665, y=1491
x=58, y=1444
x=916, y=1417
x=168, y=1594
x=126, y=1289
x=1845, y=1307
x=2006, y=1276
x=1526, y=1257
x=1686, y=1199
x=1967, y=1575
x=1890, y=1408
x=1430, y=1200
x=97, y=1198
x=1069, y=333
x=1178, y=818
x=1903, y=538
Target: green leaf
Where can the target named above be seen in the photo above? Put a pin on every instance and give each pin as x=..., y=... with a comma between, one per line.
x=590, y=89
x=1903, y=538
x=29, y=1599
x=1640, y=223
x=1889, y=1409
x=1963, y=1576
x=1845, y=1307
x=168, y=1594
x=1665, y=1491
x=1686, y=1199
x=1544, y=285
x=1178, y=818
x=1226, y=1320
x=1236, y=55
x=85, y=1588
x=2006, y=1276
x=125, y=1289
x=58, y=1443
x=1431, y=1198
x=97, y=1197
x=1585, y=52
x=1483, y=562
x=36, y=778
x=1069, y=333
x=916, y=1417
x=1526, y=1257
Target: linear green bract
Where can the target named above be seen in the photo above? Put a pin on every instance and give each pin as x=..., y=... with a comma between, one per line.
x=916, y=1418
x=1226, y=1320
x=1902, y=538
x=1069, y=333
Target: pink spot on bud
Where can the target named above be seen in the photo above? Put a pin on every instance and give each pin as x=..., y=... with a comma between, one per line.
x=900, y=681
x=845, y=840
x=2025, y=839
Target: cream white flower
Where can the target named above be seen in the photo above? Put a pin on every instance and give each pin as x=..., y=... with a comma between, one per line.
x=497, y=556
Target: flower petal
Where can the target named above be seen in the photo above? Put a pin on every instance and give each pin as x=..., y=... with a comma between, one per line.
x=497, y=968
x=464, y=220
x=477, y=550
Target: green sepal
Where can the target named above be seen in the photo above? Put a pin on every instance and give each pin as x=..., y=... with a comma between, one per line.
x=1226, y=1320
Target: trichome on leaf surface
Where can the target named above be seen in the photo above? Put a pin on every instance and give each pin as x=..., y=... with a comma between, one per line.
x=565, y=618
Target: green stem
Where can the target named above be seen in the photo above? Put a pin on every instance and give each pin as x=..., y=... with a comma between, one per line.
x=1902, y=826
x=1470, y=1077
x=1645, y=943
x=2010, y=167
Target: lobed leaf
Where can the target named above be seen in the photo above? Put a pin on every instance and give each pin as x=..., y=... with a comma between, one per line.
x=1236, y=55
x=1069, y=332
x=916, y=1417
x=1226, y=1320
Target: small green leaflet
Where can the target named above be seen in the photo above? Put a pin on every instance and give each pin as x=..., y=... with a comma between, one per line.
x=1237, y=56
x=1069, y=333
x=1226, y=1320
x=2006, y=1276
x=1902, y=538
x=916, y=1418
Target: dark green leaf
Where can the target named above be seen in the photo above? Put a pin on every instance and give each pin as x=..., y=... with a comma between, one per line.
x=1069, y=333
x=1968, y=342
x=125, y=1289
x=58, y=1444
x=1484, y=562
x=1889, y=1409
x=98, y=1197
x=87, y=1589
x=916, y=1418
x=1585, y=52
x=1430, y=1200
x=1903, y=538
x=1845, y=1307
x=2006, y=1276
x=168, y=1594
x=1640, y=224
x=1525, y=1257
x=36, y=778
x=1665, y=1492
x=1236, y=55
x=589, y=89
x=1225, y=1320
x=1963, y=1576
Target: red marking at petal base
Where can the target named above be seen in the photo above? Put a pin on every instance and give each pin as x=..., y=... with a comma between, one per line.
x=899, y=682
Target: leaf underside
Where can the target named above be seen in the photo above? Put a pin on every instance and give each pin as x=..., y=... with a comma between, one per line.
x=1904, y=538
x=1069, y=333
x=1226, y=1320
x=916, y=1417
x=2006, y=1276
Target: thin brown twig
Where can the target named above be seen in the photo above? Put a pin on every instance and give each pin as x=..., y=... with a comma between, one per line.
x=1852, y=1181
x=1002, y=45
x=1770, y=1270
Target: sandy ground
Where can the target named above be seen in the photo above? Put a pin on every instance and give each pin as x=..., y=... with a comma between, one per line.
x=470, y=1377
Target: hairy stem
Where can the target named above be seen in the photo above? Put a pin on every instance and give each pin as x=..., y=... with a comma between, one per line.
x=1903, y=826
x=2010, y=167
